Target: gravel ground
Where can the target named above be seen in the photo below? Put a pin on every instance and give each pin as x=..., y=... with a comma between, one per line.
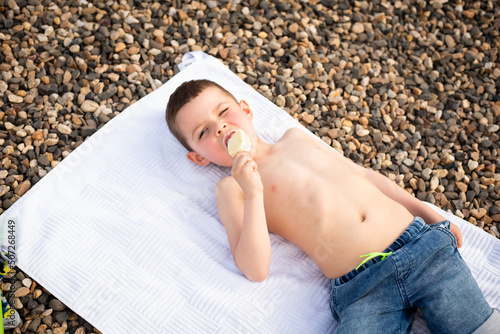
x=409, y=88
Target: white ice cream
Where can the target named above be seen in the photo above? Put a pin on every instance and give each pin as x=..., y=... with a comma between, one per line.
x=239, y=141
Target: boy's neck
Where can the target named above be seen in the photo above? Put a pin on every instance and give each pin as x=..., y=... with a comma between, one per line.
x=262, y=150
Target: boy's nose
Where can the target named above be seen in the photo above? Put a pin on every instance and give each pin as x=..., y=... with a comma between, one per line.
x=221, y=128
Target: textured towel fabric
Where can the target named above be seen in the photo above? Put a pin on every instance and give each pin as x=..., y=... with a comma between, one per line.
x=125, y=232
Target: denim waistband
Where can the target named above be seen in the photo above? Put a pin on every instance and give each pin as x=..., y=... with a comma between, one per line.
x=417, y=227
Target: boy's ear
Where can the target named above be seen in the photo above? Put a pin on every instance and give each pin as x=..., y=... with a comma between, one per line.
x=197, y=159
x=246, y=108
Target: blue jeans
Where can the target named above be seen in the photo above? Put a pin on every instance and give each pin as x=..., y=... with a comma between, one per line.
x=424, y=271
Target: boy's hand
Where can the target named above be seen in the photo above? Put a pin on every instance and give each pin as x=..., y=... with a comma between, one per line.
x=244, y=171
x=458, y=234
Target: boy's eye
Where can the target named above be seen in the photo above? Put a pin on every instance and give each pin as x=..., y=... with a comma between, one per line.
x=223, y=111
x=202, y=133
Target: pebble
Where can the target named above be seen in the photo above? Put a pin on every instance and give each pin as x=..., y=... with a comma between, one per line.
x=64, y=129
x=56, y=305
x=27, y=282
x=37, y=293
x=22, y=188
x=358, y=28
x=410, y=93
x=89, y=106
x=21, y=292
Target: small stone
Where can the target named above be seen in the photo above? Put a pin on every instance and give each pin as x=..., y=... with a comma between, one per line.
x=38, y=310
x=114, y=77
x=468, y=14
x=450, y=41
x=34, y=324
x=182, y=15
x=15, y=99
x=333, y=133
x=308, y=118
x=131, y=20
x=46, y=313
x=280, y=101
x=59, y=330
x=129, y=39
x=37, y=293
x=133, y=50
x=365, y=148
x=4, y=189
x=42, y=328
x=27, y=282
x=89, y=106
x=37, y=135
x=8, y=150
x=21, y=133
x=44, y=160
x=22, y=291
x=293, y=27
x=74, y=48
x=361, y=132
x=358, y=28
x=56, y=305
x=461, y=186
x=22, y=188
x=120, y=46
x=87, y=131
x=212, y=4
x=408, y=162
x=472, y=164
x=478, y=213
x=17, y=302
x=64, y=129
x=62, y=316
x=434, y=183
x=51, y=141
x=76, y=120
x=80, y=330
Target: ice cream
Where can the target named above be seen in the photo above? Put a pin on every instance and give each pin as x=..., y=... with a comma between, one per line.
x=239, y=141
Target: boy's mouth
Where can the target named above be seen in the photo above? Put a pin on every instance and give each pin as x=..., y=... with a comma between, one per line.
x=228, y=136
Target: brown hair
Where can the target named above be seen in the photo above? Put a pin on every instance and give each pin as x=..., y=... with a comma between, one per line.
x=182, y=96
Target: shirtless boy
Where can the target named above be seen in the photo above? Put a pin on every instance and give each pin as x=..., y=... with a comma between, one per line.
x=336, y=212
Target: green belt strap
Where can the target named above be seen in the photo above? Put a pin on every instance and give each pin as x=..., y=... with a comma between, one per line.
x=371, y=256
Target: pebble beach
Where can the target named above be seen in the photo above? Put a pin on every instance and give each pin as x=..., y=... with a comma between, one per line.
x=409, y=88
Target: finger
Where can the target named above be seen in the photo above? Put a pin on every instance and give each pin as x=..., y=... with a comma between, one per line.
x=248, y=166
x=239, y=163
x=241, y=154
x=241, y=160
x=251, y=165
x=243, y=167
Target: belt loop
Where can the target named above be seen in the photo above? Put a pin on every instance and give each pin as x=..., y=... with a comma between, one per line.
x=445, y=224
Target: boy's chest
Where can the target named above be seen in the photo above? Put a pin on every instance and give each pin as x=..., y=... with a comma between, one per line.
x=293, y=161
x=296, y=192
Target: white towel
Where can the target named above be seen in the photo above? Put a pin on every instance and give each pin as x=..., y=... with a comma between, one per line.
x=125, y=232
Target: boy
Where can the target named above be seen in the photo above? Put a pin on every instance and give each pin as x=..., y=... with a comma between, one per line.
x=335, y=211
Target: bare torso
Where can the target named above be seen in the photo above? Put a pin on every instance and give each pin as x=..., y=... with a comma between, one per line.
x=316, y=199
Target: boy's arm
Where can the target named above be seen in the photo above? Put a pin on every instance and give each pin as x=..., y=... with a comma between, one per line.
x=410, y=202
x=242, y=214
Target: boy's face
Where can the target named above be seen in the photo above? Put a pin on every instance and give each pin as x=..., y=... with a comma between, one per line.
x=207, y=121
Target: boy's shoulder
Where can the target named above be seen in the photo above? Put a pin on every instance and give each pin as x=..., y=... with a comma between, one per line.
x=293, y=133
x=226, y=185
x=295, y=136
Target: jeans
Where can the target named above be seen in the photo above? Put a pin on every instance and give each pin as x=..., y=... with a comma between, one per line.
x=424, y=271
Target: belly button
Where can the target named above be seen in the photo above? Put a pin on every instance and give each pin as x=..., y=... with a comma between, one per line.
x=274, y=188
